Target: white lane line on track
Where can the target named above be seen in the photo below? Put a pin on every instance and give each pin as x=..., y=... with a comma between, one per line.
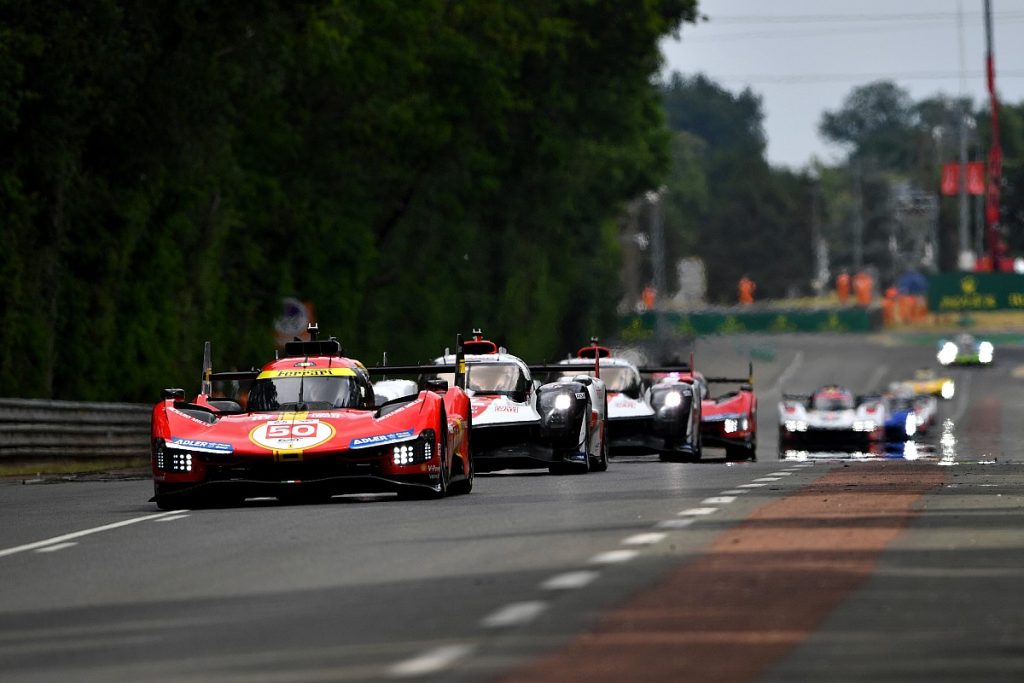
x=649, y=538
x=697, y=512
x=734, y=492
x=768, y=478
x=430, y=661
x=781, y=474
x=570, y=580
x=55, y=548
x=171, y=518
x=718, y=500
x=614, y=556
x=78, y=534
x=514, y=614
x=803, y=465
x=790, y=369
x=752, y=486
x=675, y=523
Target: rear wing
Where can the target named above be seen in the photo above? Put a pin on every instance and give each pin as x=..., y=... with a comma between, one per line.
x=678, y=367
x=748, y=380
x=578, y=368
x=459, y=368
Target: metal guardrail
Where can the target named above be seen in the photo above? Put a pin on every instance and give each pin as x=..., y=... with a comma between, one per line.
x=35, y=428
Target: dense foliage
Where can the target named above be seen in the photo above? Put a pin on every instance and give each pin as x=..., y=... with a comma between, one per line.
x=743, y=217
x=173, y=168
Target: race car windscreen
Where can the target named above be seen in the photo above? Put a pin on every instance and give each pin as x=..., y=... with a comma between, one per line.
x=304, y=393
x=622, y=380
x=832, y=402
x=488, y=378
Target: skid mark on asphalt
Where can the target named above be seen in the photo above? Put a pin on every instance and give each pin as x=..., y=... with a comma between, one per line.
x=820, y=544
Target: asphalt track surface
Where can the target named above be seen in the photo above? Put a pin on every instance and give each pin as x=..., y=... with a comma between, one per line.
x=831, y=568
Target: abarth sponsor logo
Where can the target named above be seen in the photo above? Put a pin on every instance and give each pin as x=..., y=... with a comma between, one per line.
x=291, y=435
x=202, y=446
x=307, y=372
x=378, y=439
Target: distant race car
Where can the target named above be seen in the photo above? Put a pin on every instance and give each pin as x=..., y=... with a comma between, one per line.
x=311, y=429
x=901, y=418
x=925, y=405
x=730, y=420
x=831, y=417
x=965, y=349
x=518, y=423
x=927, y=381
x=662, y=418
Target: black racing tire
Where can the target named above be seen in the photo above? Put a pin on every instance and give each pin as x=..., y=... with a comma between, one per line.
x=600, y=464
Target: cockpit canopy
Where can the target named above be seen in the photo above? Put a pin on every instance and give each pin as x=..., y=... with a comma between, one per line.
x=832, y=400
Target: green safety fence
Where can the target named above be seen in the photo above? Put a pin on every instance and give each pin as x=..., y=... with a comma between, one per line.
x=707, y=322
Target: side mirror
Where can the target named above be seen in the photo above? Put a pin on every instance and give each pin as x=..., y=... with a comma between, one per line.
x=176, y=394
x=438, y=385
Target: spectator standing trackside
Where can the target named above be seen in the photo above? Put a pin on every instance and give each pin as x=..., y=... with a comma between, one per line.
x=843, y=287
x=746, y=291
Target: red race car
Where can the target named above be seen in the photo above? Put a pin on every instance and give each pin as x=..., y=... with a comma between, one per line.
x=311, y=429
x=730, y=420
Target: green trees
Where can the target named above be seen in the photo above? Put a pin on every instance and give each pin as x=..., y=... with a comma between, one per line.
x=173, y=168
x=744, y=217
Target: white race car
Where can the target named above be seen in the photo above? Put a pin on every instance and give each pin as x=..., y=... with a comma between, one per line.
x=662, y=418
x=831, y=417
x=520, y=423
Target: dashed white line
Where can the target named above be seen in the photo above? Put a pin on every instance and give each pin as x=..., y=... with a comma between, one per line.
x=430, y=661
x=78, y=534
x=734, y=492
x=55, y=548
x=781, y=474
x=514, y=614
x=171, y=518
x=767, y=479
x=752, y=486
x=675, y=523
x=718, y=500
x=649, y=538
x=614, y=556
x=570, y=580
x=697, y=512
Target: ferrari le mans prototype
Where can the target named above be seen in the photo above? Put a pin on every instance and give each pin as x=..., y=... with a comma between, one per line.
x=831, y=417
x=730, y=420
x=964, y=349
x=519, y=423
x=664, y=418
x=311, y=429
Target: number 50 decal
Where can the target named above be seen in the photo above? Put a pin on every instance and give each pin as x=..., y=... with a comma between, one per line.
x=297, y=435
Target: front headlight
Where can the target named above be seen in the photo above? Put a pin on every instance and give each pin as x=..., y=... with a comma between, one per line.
x=796, y=426
x=563, y=401
x=947, y=354
x=736, y=424
x=673, y=399
x=864, y=426
x=910, y=425
x=948, y=390
x=985, y=350
x=417, y=451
